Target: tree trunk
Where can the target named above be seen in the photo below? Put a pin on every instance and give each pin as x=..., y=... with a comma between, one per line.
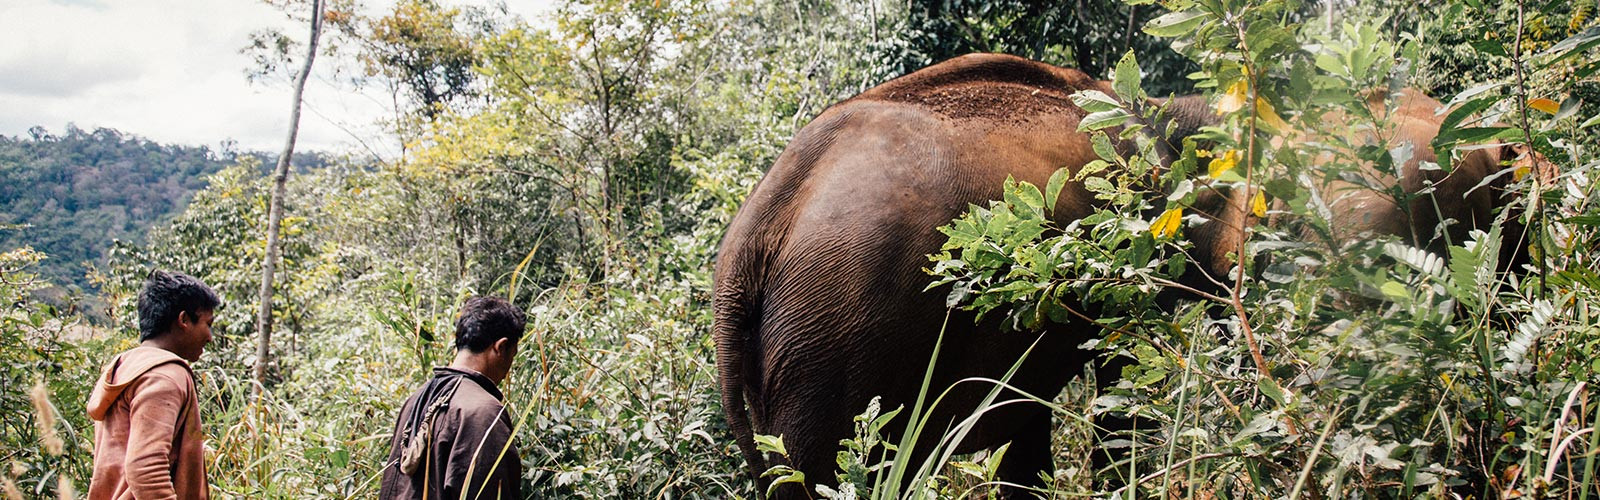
x=275, y=214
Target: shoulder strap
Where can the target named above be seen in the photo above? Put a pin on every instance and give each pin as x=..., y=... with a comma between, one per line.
x=416, y=444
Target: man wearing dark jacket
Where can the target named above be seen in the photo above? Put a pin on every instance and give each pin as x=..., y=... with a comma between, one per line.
x=453, y=438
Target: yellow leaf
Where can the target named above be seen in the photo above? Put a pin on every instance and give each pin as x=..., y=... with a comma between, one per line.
x=1258, y=206
x=1234, y=98
x=1265, y=113
x=1224, y=163
x=1520, y=172
x=1548, y=106
x=1167, y=224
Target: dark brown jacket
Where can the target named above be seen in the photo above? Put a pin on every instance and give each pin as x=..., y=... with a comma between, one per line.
x=471, y=436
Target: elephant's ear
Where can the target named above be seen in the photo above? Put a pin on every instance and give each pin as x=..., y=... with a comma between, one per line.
x=1227, y=212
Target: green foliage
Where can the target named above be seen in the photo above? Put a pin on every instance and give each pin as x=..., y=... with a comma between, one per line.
x=421, y=47
x=586, y=168
x=81, y=190
x=44, y=434
x=1319, y=363
x=1087, y=35
x=591, y=184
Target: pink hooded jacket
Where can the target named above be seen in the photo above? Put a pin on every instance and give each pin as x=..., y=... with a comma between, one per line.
x=147, y=438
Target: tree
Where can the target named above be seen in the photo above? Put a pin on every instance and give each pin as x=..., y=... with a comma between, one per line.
x=419, y=47
x=1089, y=35
x=275, y=215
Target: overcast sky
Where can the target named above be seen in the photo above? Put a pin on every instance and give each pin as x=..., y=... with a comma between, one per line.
x=171, y=71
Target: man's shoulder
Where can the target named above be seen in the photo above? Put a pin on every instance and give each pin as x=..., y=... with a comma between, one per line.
x=472, y=401
x=175, y=374
x=471, y=395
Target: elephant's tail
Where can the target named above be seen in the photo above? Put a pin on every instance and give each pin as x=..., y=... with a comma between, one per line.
x=736, y=331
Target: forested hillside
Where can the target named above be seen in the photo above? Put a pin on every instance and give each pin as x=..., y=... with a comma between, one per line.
x=81, y=190
x=586, y=167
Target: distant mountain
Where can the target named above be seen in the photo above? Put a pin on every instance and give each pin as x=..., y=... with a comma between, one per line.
x=80, y=190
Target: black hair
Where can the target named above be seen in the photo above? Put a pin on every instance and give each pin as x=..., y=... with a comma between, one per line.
x=165, y=294
x=485, y=320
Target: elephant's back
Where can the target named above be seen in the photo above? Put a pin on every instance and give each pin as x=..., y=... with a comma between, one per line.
x=916, y=150
x=977, y=88
x=860, y=191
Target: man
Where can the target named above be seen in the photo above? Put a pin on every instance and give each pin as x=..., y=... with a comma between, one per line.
x=453, y=437
x=147, y=438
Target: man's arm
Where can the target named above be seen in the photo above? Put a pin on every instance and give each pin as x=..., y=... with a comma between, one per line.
x=156, y=403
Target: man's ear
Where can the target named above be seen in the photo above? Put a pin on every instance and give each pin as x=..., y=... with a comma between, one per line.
x=503, y=345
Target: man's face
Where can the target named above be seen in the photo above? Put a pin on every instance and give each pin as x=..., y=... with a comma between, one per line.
x=505, y=354
x=193, y=333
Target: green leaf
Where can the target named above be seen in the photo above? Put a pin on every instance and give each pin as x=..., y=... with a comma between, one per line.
x=1573, y=45
x=1481, y=134
x=1095, y=101
x=970, y=469
x=1099, y=185
x=1492, y=47
x=1103, y=119
x=770, y=444
x=1592, y=121
x=1025, y=198
x=1269, y=41
x=785, y=475
x=1052, y=189
x=1568, y=277
x=991, y=464
x=1126, y=78
x=1471, y=93
x=1464, y=269
x=1461, y=113
x=1103, y=148
x=1586, y=220
x=1394, y=290
x=1569, y=107
x=1271, y=388
x=1175, y=23
x=1092, y=168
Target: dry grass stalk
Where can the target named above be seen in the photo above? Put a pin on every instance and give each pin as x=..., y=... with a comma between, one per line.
x=10, y=489
x=46, y=418
x=64, y=489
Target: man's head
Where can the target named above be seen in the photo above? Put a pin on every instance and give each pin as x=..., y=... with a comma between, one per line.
x=489, y=328
x=175, y=310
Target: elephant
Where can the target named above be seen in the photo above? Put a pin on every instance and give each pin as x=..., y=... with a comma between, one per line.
x=819, y=289
x=818, y=285
x=1454, y=194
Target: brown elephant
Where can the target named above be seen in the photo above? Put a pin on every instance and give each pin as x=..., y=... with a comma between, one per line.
x=819, y=284
x=1456, y=193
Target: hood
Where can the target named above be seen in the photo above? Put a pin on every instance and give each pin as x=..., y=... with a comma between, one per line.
x=123, y=370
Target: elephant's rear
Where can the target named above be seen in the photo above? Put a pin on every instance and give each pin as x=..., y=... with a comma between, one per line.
x=744, y=260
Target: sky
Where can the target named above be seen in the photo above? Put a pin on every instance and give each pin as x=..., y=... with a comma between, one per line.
x=171, y=71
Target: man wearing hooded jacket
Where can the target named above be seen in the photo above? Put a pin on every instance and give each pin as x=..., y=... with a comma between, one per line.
x=147, y=437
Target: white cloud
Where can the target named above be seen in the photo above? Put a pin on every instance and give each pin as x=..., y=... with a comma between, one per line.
x=171, y=70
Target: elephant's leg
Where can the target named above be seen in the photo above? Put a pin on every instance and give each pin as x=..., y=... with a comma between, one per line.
x=1112, y=463
x=1028, y=456
x=808, y=457
x=811, y=426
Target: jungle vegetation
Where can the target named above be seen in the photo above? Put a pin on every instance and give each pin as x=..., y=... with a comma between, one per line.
x=585, y=165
